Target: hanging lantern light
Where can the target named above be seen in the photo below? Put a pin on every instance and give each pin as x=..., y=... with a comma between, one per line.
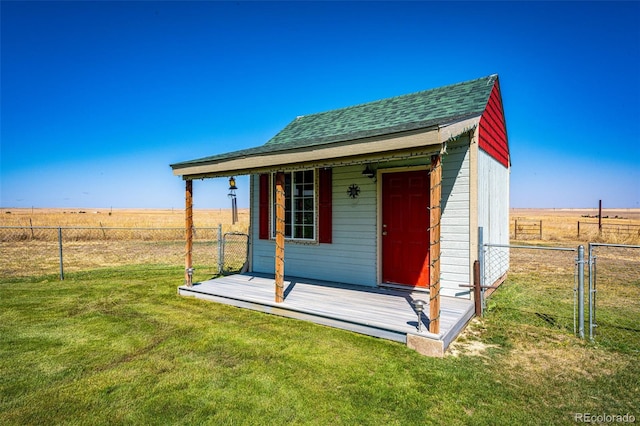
x=368, y=172
x=234, y=203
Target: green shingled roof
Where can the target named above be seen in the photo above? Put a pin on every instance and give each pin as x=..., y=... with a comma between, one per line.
x=414, y=111
x=400, y=113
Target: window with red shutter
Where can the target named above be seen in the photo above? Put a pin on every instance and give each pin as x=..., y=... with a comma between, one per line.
x=305, y=219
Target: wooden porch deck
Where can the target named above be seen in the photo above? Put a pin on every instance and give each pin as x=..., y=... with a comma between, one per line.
x=379, y=312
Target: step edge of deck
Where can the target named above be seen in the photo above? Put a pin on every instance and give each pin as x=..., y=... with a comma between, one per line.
x=389, y=333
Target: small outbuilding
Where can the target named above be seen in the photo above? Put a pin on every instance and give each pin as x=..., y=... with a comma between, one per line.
x=394, y=193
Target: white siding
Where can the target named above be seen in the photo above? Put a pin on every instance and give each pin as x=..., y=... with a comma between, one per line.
x=454, y=232
x=351, y=258
x=493, y=214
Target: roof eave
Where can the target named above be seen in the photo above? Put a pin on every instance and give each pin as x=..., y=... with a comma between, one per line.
x=344, y=152
x=308, y=156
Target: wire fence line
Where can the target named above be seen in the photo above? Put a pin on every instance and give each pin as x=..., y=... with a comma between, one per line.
x=621, y=229
x=615, y=230
x=548, y=278
x=45, y=250
x=594, y=294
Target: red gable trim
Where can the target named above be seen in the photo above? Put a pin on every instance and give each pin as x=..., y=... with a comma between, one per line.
x=493, y=130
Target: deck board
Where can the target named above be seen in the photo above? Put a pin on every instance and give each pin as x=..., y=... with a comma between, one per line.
x=384, y=313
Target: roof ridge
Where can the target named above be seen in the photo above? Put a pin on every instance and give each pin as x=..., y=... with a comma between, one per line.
x=490, y=79
x=398, y=113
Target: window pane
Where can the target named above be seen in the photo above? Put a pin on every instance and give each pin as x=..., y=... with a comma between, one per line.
x=299, y=204
x=308, y=190
x=308, y=232
x=308, y=218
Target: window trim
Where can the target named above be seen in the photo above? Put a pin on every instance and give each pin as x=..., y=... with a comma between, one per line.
x=316, y=207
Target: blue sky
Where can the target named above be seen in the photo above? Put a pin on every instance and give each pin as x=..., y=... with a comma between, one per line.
x=98, y=98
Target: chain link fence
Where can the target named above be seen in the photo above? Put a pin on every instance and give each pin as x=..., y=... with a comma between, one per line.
x=35, y=251
x=614, y=286
x=234, y=252
x=545, y=281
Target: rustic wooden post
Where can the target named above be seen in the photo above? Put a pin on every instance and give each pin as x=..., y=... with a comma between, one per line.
x=540, y=229
x=279, y=237
x=188, y=262
x=599, y=217
x=434, y=242
x=477, y=288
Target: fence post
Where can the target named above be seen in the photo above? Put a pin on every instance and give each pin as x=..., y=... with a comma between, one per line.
x=580, y=264
x=188, y=261
x=60, y=250
x=592, y=261
x=482, y=265
x=599, y=217
x=476, y=288
x=540, y=229
x=515, y=230
x=578, y=229
x=220, y=250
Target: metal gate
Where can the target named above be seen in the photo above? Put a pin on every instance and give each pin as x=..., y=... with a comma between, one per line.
x=562, y=300
x=612, y=312
x=614, y=303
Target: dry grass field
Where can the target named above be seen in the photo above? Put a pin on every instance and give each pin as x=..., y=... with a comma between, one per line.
x=620, y=226
x=558, y=225
x=122, y=218
x=107, y=238
x=110, y=239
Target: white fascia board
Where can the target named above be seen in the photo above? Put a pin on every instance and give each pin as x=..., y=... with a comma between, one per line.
x=453, y=130
x=314, y=155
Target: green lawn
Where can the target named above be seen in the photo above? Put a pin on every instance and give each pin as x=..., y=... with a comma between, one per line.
x=122, y=348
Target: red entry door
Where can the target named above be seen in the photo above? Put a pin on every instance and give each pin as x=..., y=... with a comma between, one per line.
x=405, y=228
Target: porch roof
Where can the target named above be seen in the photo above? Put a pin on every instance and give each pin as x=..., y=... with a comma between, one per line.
x=418, y=120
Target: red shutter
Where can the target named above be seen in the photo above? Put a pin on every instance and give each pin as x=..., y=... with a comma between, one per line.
x=325, y=207
x=264, y=207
